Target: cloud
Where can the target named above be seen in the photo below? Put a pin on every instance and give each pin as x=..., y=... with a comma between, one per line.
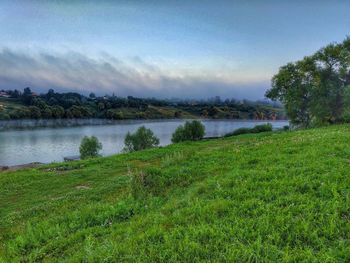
x=74, y=71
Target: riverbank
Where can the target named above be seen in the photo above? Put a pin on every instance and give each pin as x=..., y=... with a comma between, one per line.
x=57, y=123
x=19, y=167
x=201, y=201
x=53, y=123
x=48, y=145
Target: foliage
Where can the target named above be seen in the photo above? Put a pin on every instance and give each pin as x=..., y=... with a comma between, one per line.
x=239, y=131
x=142, y=139
x=257, y=129
x=267, y=127
x=219, y=203
x=316, y=90
x=35, y=112
x=89, y=147
x=73, y=105
x=286, y=128
x=190, y=131
x=146, y=182
x=173, y=158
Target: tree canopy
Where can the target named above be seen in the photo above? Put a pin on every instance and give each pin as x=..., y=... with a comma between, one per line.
x=316, y=89
x=142, y=139
x=89, y=147
x=56, y=105
x=190, y=131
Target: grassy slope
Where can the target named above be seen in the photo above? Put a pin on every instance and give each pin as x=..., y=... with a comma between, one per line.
x=10, y=104
x=274, y=196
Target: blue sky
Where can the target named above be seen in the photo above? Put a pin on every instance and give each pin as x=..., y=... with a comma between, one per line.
x=161, y=48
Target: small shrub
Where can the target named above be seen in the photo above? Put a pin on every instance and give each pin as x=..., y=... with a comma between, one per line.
x=142, y=139
x=4, y=116
x=149, y=181
x=191, y=131
x=238, y=132
x=89, y=147
x=286, y=128
x=262, y=128
x=172, y=158
x=257, y=129
x=179, y=134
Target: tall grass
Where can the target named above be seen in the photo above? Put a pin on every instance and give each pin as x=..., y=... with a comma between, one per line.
x=276, y=197
x=257, y=129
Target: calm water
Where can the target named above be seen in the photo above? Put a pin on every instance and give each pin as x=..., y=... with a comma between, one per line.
x=52, y=144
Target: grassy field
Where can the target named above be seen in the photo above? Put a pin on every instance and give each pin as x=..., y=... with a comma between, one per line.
x=8, y=104
x=279, y=197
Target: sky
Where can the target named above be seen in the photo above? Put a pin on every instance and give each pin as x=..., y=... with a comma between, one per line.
x=160, y=48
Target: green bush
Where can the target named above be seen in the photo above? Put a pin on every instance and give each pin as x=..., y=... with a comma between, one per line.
x=239, y=131
x=4, y=116
x=142, y=139
x=262, y=128
x=89, y=147
x=191, y=131
x=257, y=129
x=57, y=111
x=172, y=158
x=178, y=135
x=286, y=128
x=115, y=115
x=34, y=112
x=149, y=181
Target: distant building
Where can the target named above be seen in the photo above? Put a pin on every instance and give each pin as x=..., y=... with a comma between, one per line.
x=4, y=94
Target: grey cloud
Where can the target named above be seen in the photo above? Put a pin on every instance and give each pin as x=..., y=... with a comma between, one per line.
x=76, y=72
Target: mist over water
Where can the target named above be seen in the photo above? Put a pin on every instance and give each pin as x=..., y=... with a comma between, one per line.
x=52, y=144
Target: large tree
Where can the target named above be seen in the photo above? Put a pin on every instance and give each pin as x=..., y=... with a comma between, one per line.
x=315, y=90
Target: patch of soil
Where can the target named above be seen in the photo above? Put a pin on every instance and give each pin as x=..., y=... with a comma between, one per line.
x=82, y=187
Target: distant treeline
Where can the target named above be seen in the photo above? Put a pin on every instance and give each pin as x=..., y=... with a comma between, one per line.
x=15, y=104
x=316, y=89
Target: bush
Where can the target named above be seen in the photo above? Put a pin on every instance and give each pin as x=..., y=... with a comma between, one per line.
x=262, y=128
x=191, y=131
x=179, y=134
x=172, y=158
x=57, y=112
x=142, y=139
x=257, y=129
x=89, y=147
x=238, y=132
x=4, y=116
x=150, y=181
x=286, y=128
x=34, y=112
x=115, y=115
x=155, y=181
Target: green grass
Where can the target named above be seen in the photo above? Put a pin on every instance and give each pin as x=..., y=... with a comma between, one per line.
x=9, y=105
x=278, y=197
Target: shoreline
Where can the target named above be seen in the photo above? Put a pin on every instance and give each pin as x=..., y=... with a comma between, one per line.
x=5, y=168
x=16, y=167
x=20, y=124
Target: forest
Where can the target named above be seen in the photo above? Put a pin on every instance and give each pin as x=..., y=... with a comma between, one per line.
x=16, y=104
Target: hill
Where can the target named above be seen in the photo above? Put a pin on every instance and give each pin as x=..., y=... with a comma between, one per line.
x=54, y=105
x=282, y=196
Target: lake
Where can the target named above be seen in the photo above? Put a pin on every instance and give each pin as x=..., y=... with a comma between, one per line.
x=52, y=144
